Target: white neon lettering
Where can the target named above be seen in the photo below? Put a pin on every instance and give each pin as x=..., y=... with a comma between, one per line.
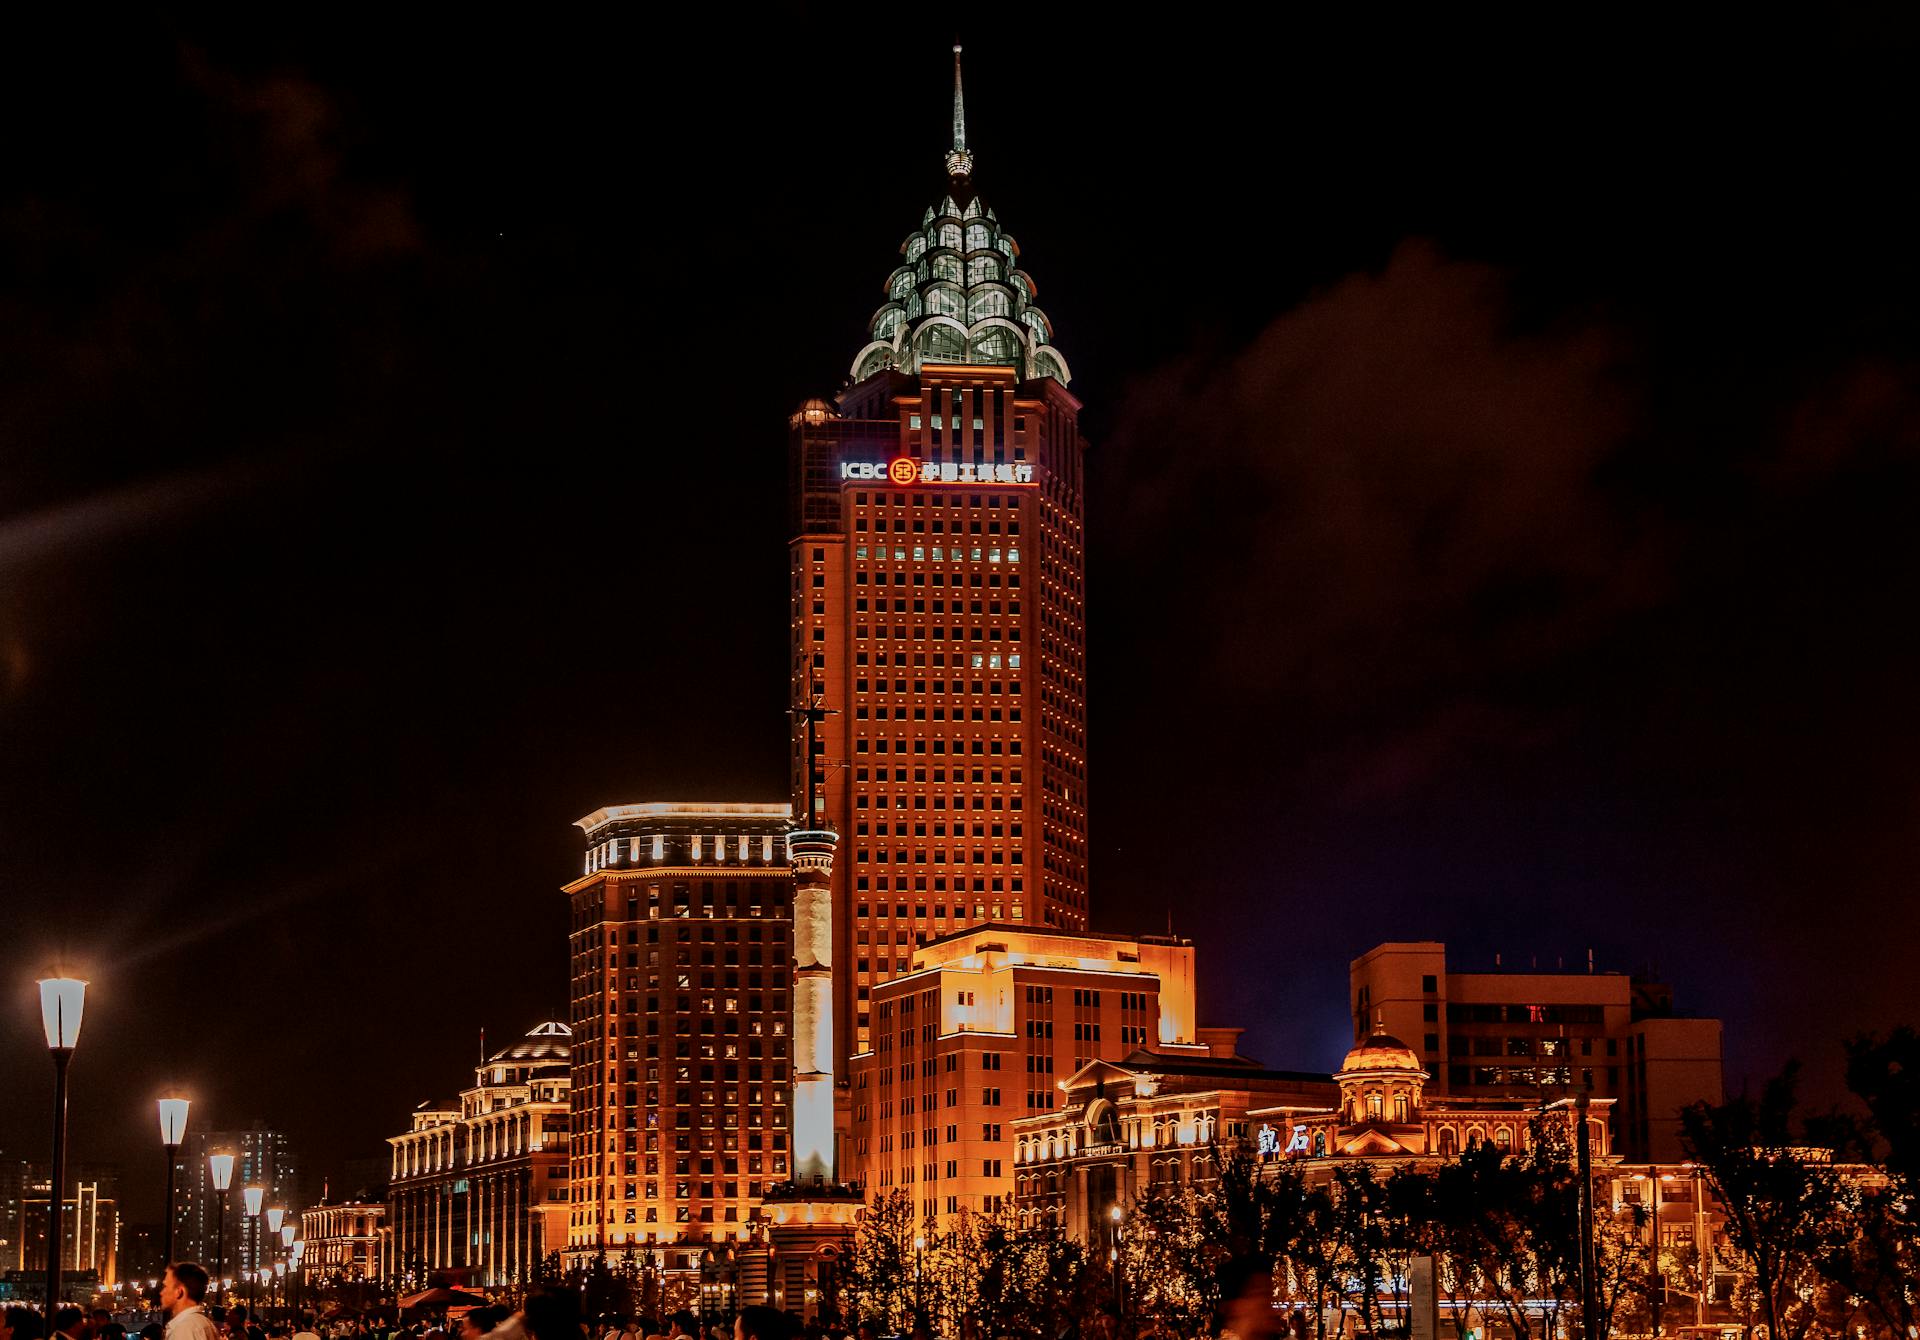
x=945, y=472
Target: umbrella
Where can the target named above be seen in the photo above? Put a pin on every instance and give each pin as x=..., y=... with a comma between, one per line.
x=441, y=1298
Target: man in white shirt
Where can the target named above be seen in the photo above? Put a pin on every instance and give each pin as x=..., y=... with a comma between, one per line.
x=180, y=1298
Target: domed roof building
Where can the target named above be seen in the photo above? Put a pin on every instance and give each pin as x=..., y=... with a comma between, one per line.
x=498, y=1154
x=1381, y=1052
x=957, y=293
x=545, y=1046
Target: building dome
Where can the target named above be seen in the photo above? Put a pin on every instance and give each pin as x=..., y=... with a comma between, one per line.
x=1381, y=1051
x=957, y=293
x=551, y=1041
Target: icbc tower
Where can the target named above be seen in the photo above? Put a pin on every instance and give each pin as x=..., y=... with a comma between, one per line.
x=938, y=611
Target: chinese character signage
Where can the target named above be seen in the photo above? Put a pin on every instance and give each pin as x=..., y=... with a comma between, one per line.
x=905, y=470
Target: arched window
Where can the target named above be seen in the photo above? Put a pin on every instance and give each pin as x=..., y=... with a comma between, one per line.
x=1373, y=1107
x=945, y=302
x=914, y=306
x=1037, y=323
x=1400, y=1108
x=888, y=323
x=900, y=285
x=983, y=270
x=1449, y=1145
x=1504, y=1138
x=987, y=302
x=916, y=248
x=1319, y=1144
x=979, y=237
x=949, y=235
x=942, y=344
x=948, y=267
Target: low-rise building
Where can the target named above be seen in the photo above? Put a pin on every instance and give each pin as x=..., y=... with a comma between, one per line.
x=1520, y=1034
x=979, y=1034
x=343, y=1240
x=478, y=1190
x=1151, y=1119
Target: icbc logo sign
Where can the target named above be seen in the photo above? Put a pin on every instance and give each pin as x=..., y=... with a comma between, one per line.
x=903, y=471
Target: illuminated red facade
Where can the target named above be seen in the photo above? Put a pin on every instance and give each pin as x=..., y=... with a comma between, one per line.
x=940, y=624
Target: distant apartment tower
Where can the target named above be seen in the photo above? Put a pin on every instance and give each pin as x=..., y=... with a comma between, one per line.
x=937, y=589
x=478, y=1185
x=1519, y=1033
x=682, y=966
x=262, y=1158
x=983, y=1030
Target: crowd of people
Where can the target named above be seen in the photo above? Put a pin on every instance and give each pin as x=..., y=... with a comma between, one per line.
x=548, y=1314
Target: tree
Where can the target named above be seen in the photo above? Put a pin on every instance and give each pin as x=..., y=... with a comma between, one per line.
x=1169, y=1260
x=1784, y=1205
x=1361, y=1229
x=1313, y=1254
x=1033, y=1283
x=880, y=1283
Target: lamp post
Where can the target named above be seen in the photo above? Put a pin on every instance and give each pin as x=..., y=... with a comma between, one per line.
x=285, y=1267
x=251, y=1199
x=274, y=1215
x=62, y=1001
x=1113, y=1259
x=221, y=1168
x=173, y=1129
x=297, y=1250
x=919, y=1285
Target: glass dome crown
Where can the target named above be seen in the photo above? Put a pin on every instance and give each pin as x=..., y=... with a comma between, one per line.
x=958, y=294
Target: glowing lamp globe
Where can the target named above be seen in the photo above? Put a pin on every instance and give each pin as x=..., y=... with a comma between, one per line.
x=252, y=1197
x=221, y=1166
x=173, y=1121
x=62, y=1001
x=286, y=1236
x=274, y=1216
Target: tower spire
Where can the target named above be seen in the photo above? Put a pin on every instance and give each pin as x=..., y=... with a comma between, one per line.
x=959, y=105
x=959, y=158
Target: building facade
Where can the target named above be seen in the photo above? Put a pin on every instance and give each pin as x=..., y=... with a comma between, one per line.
x=478, y=1187
x=1521, y=1034
x=682, y=982
x=1152, y=1119
x=343, y=1241
x=262, y=1157
x=979, y=1034
x=937, y=584
x=89, y=1223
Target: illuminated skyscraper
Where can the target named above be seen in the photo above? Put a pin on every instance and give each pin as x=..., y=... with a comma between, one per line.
x=937, y=608
x=682, y=966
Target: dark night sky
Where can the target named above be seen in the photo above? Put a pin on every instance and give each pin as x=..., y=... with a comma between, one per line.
x=1502, y=520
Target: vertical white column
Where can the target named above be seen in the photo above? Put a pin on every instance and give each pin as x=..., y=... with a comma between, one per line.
x=810, y=852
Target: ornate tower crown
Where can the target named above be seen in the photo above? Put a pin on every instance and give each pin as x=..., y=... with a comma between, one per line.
x=958, y=294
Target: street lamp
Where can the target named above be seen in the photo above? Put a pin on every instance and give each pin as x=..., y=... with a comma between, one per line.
x=919, y=1285
x=62, y=1001
x=275, y=1214
x=287, y=1232
x=251, y=1198
x=173, y=1129
x=220, y=1166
